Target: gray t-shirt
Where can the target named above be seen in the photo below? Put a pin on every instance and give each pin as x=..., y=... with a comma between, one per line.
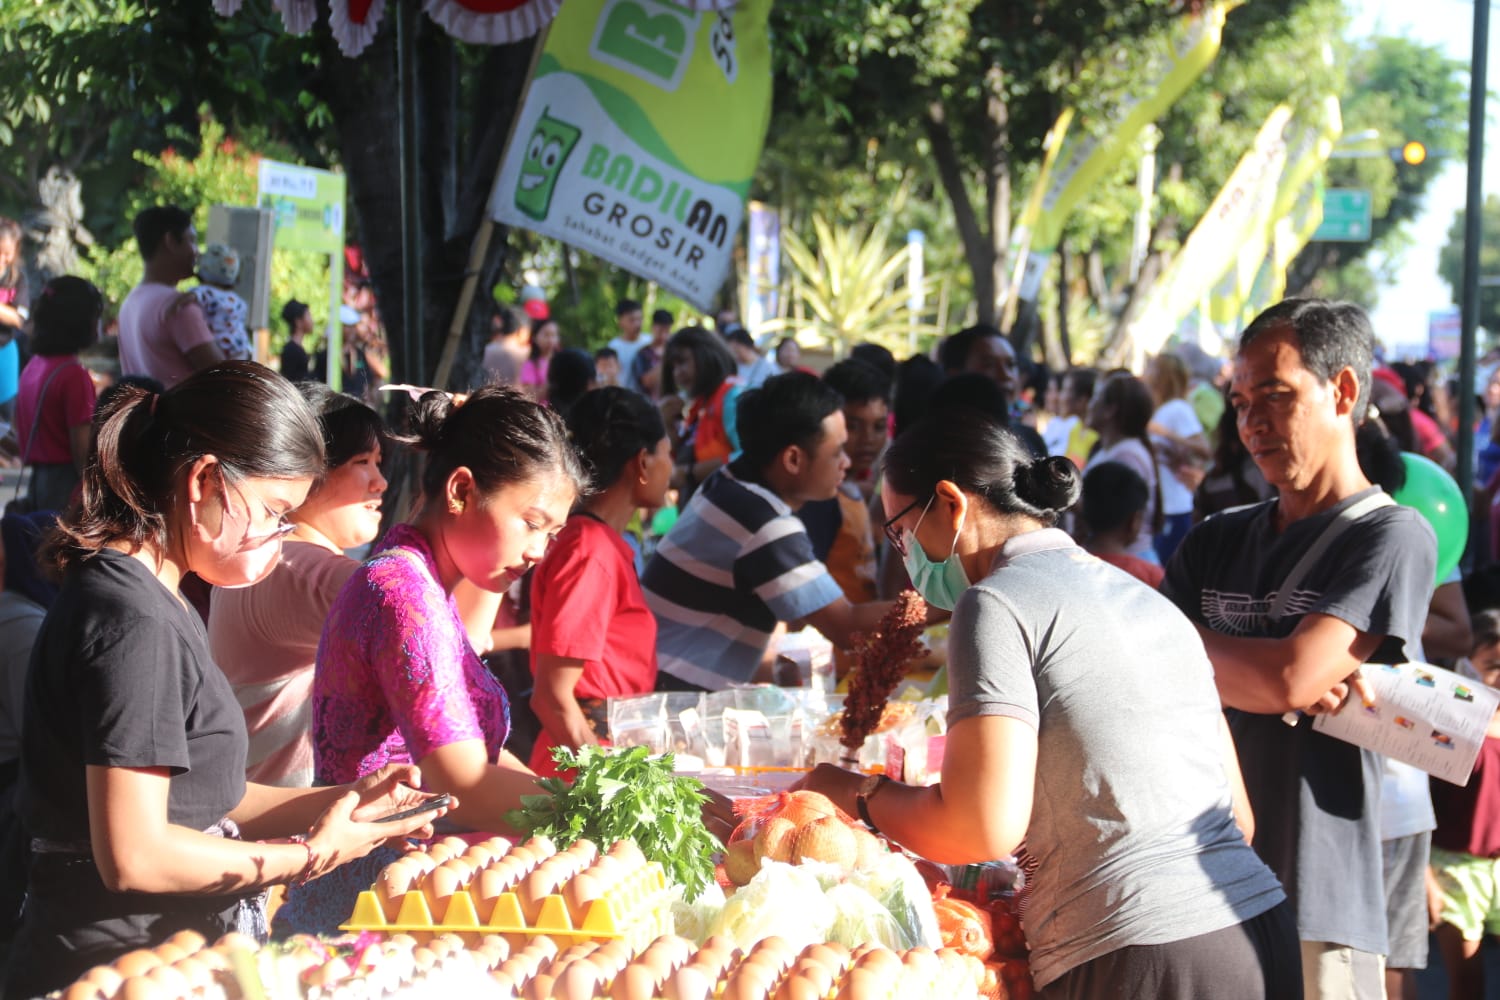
x=1131, y=826
x=1316, y=799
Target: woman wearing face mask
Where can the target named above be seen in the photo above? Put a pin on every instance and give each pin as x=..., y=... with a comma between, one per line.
x=592, y=635
x=133, y=756
x=1081, y=708
x=265, y=637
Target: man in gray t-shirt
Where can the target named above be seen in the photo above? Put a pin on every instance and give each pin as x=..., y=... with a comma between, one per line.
x=1300, y=386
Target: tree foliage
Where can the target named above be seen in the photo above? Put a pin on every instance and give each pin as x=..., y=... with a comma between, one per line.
x=1451, y=262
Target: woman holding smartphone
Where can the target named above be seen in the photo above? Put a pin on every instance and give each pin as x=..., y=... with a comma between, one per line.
x=133, y=757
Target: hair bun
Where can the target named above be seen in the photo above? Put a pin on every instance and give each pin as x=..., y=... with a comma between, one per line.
x=1050, y=484
x=429, y=418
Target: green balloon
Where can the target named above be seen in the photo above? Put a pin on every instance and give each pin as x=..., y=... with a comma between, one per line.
x=1431, y=492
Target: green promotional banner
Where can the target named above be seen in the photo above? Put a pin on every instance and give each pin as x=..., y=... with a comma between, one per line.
x=1084, y=153
x=639, y=136
x=1235, y=258
x=308, y=206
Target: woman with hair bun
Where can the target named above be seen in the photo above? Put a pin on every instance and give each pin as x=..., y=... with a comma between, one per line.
x=592, y=635
x=1083, y=718
x=133, y=753
x=397, y=679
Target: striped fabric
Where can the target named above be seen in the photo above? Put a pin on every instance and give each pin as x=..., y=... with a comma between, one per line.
x=736, y=562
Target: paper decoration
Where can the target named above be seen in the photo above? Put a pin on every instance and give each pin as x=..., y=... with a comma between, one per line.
x=354, y=23
x=492, y=22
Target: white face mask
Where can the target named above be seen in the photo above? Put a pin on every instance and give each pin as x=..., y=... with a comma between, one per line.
x=940, y=583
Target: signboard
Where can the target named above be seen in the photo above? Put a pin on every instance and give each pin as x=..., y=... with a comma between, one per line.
x=639, y=136
x=1444, y=333
x=763, y=239
x=307, y=209
x=307, y=206
x=1346, y=216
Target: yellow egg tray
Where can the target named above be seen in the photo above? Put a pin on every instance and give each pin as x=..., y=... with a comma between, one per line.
x=638, y=909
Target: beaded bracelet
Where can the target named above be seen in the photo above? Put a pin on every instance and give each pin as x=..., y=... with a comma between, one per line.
x=306, y=874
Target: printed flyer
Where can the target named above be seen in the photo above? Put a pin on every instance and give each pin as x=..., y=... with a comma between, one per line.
x=1424, y=716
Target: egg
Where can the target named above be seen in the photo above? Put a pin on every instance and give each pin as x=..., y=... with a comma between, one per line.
x=189, y=941
x=517, y=969
x=628, y=853
x=489, y=884
x=142, y=988
x=923, y=963
x=170, y=979
x=169, y=953
x=579, y=894
x=584, y=848
x=834, y=958
x=613, y=956
x=634, y=982
x=607, y=872
x=504, y=983
x=688, y=983
x=712, y=960
x=524, y=854
x=798, y=988
x=881, y=961
x=197, y=973
x=579, y=981
x=438, y=888
x=83, y=991
x=815, y=973
x=540, y=987
x=216, y=960
x=104, y=977
x=543, y=846
x=438, y=853
x=423, y=958
x=863, y=984
x=745, y=988
x=136, y=963
x=423, y=862
x=497, y=844
x=534, y=888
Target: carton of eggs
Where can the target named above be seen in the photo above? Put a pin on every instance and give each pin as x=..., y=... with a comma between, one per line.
x=577, y=893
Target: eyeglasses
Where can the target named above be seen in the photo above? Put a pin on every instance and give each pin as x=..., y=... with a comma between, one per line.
x=895, y=535
x=281, y=530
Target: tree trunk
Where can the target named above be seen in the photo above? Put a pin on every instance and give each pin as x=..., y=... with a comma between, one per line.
x=997, y=182
x=1059, y=348
x=979, y=249
x=457, y=173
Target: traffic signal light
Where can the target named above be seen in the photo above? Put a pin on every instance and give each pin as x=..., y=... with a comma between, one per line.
x=1413, y=153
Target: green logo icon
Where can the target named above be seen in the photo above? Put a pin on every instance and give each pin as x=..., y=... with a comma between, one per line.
x=547, y=150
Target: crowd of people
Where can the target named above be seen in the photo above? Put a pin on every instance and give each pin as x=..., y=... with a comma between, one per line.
x=205, y=696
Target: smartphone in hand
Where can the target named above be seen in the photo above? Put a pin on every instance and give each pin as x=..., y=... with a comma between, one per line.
x=429, y=805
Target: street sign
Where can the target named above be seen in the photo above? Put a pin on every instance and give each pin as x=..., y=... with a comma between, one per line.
x=1346, y=216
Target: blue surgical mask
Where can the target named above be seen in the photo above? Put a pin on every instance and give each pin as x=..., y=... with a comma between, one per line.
x=939, y=583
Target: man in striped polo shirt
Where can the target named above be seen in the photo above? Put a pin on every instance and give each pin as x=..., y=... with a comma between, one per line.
x=738, y=561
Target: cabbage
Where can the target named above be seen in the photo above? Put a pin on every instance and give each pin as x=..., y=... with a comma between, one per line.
x=896, y=884
x=692, y=920
x=859, y=919
x=782, y=900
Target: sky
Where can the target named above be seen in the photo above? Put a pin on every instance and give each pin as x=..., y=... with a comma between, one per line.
x=1400, y=317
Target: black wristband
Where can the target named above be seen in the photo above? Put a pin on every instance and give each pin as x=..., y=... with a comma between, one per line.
x=862, y=800
x=862, y=806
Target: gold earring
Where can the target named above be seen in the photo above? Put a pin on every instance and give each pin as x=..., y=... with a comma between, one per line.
x=456, y=507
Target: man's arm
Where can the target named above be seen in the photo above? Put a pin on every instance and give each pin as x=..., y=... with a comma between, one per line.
x=840, y=620
x=204, y=355
x=1271, y=676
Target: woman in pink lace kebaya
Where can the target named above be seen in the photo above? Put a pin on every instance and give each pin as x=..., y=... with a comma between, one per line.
x=397, y=679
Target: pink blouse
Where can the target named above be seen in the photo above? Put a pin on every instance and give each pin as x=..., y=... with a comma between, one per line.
x=396, y=675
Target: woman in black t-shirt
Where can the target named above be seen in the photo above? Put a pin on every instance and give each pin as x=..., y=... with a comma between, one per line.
x=133, y=755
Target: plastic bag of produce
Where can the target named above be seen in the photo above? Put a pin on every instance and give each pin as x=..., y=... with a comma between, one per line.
x=692, y=920
x=782, y=900
x=859, y=919
x=796, y=827
x=896, y=884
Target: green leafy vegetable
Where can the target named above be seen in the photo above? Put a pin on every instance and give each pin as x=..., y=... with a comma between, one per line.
x=625, y=795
